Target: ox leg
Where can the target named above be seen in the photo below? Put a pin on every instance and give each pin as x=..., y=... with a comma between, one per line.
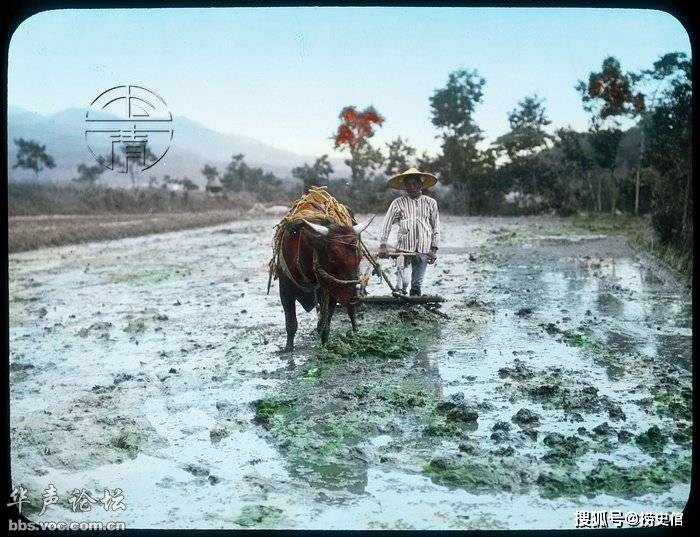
x=351, y=314
x=290, y=312
x=327, y=308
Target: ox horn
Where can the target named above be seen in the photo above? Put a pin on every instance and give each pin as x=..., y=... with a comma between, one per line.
x=359, y=228
x=321, y=230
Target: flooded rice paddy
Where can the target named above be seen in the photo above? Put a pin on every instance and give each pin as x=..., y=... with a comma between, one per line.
x=560, y=382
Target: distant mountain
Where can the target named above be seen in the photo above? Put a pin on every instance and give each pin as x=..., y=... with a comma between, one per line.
x=193, y=146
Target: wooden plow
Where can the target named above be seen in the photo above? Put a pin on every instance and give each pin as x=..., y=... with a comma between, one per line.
x=428, y=302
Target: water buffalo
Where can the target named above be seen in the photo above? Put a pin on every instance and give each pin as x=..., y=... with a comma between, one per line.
x=318, y=265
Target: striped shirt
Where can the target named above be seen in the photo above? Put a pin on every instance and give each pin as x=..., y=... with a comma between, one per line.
x=418, y=221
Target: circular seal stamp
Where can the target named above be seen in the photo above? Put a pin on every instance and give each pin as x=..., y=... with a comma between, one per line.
x=128, y=128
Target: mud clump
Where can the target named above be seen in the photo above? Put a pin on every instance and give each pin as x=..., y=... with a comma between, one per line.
x=551, y=328
x=507, y=451
x=127, y=440
x=673, y=402
x=683, y=433
x=500, y=432
x=624, y=436
x=406, y=394
x=603, y=429
x=216, y=435
x=103, y=327
x=452, y=417
x=122, y=377
x=651, y=441
x=548, y=389
x=607, y=478
x=135, y=326
x=477, y=477
x=520, y=372
x=197, y=471
x=501, y=426
x=564, y=450
x=456, y=409
x=526, y=418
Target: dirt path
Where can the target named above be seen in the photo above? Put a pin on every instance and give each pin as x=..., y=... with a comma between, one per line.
x=560, y=382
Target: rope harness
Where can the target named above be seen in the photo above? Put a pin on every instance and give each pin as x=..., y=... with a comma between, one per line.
x=322, y=274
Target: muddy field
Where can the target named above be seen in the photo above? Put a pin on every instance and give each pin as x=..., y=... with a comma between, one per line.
x=560, y=382
x=32, y=232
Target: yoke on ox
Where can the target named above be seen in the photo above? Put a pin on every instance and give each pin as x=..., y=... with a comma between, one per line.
x=316, y=256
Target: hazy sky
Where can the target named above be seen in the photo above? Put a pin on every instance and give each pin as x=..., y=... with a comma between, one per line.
x=281, y=75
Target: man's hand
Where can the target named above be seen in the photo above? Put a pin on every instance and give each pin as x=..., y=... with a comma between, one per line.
x=383, y=251
x=432, y=256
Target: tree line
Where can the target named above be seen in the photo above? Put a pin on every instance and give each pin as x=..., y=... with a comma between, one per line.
x=635, y=156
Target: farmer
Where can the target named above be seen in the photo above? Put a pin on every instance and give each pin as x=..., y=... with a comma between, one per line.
x=419, y=226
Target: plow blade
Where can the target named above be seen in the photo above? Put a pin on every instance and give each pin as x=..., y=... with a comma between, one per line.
x=401, y=299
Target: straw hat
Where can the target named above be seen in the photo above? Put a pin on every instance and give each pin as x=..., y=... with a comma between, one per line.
x=427, y=179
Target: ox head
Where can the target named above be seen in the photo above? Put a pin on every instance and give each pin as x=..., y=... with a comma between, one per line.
x=339, y=255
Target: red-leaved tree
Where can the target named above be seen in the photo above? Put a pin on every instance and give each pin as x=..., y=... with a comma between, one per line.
x=353, y=134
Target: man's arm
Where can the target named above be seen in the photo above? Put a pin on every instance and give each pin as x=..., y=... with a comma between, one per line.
x=435, y=237
x=386, y=228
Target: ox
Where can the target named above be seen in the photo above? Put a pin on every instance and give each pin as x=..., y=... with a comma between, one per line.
x=318, y=265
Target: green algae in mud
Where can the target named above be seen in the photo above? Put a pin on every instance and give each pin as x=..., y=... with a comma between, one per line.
x=267, y=409
x=578, y=339
x=323, y=449
x=345, y=394
x=683, y=434
x=259, y=516
x=439, y=426
x=386, y=335
x=312, y=373
x=475, y=476
x=677, y=404
x=408, y=393
x=129, y=441
x=606, y=478
x=149, y=276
